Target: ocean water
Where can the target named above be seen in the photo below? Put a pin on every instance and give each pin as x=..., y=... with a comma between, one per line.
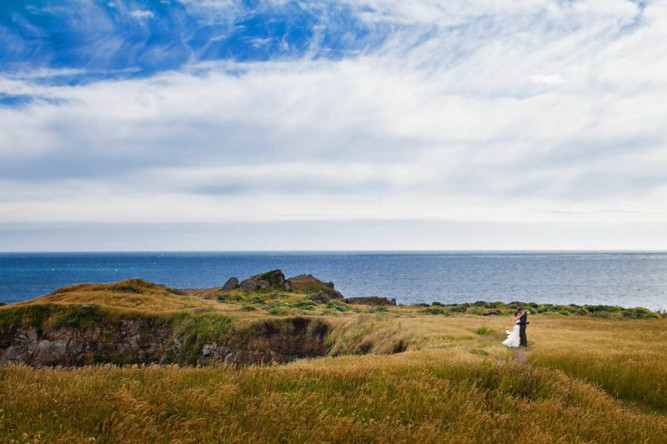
x=626, y=279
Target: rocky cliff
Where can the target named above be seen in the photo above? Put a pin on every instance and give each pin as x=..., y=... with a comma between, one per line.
x=49, y=335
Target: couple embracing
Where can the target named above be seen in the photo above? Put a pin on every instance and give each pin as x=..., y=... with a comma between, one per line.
x=517, y=337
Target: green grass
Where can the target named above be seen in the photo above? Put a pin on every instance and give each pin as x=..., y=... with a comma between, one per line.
x=484, y=331
x=433, y=311
x=25, y=316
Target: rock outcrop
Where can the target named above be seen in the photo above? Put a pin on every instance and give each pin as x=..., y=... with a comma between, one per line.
x=126, y=323
x=321, y=292
x=253, y=285
x=231, y=284
x=87, y=336
x=274, y=279
x=318, y=290
x=321, y=298
x=307, y=283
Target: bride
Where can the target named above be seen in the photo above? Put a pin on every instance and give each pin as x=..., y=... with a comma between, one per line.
x=513, y=339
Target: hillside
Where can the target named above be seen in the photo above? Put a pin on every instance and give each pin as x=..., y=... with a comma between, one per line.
x=376, y=372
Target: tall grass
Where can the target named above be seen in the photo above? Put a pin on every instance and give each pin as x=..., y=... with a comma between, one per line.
x=425, y=396
x=638, y=377
x=627, y=359
x=453, y=382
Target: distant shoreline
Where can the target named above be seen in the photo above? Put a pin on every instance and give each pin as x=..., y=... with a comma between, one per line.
x=627, y=279
x=389, y=251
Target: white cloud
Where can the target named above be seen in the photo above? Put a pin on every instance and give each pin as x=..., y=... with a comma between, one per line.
x=514, y=112
x=142, y=14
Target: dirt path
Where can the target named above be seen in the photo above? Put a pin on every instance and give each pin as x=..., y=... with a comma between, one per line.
x=519, y=355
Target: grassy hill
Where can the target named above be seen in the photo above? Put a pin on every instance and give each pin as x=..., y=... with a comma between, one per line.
x=427, y=374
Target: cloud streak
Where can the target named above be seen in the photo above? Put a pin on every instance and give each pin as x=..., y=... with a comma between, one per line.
x=510, y=112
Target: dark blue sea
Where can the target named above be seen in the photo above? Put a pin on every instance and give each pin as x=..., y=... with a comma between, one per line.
x=626, y=279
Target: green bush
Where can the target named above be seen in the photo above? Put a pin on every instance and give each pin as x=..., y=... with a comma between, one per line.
x=305, y=304
x=603, y=308
x=484, y=331
x=337, y=306
x=378, y=309
x=433, y=311
x=261, y=300
x=229, y=298
x=278, y=311
x=639, y=313
x=459, y=309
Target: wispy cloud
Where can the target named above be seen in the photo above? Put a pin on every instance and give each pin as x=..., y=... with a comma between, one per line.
x=515, y=112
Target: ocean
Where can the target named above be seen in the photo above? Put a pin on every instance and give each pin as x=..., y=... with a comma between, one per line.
x=625, y=279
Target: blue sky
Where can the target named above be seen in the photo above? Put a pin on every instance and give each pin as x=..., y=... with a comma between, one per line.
x=370, y=124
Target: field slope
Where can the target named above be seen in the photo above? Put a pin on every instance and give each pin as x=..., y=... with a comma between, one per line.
x=388, y=374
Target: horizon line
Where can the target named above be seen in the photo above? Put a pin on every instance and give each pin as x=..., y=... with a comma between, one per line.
x=370, y=251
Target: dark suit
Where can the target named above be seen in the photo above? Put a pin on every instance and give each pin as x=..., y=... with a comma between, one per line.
x=523, y=320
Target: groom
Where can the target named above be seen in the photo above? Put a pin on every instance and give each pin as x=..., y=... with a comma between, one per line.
x=523, y=321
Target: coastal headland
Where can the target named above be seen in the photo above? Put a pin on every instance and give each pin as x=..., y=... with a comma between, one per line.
x=271, y=358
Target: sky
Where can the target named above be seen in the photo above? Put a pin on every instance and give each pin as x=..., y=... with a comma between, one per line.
x=333, y=125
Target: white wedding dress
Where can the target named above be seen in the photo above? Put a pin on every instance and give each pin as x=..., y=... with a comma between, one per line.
x=513, y=338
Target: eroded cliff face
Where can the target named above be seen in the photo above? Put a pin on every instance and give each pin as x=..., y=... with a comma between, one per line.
x=156, y=341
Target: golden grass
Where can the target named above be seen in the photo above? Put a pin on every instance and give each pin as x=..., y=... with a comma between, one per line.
x=138, y=296
x=629, y=360
x=586, y=380
x=133, y=294
x=427, y=397
x=452, y=385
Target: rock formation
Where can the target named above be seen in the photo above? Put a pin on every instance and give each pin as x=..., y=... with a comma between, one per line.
x=274, y=279
x=321, y=292
x=231, y=284
x=89, y=336
x=117, y=323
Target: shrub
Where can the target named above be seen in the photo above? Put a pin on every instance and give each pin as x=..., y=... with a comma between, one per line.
x=639, y=313
x=378, y=309
x=278, y=311
x=458, y=309
x=305, y=304
x=484, y=331
x=229, y=297
x=278, y=308
x=601, y=314
x=433, y=311
x=493, y=312
x=400, y=346
x=337, y=306
x=261, y=300
x=603, y=308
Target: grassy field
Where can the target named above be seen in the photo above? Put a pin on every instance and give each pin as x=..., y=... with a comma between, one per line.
x=586, y=379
